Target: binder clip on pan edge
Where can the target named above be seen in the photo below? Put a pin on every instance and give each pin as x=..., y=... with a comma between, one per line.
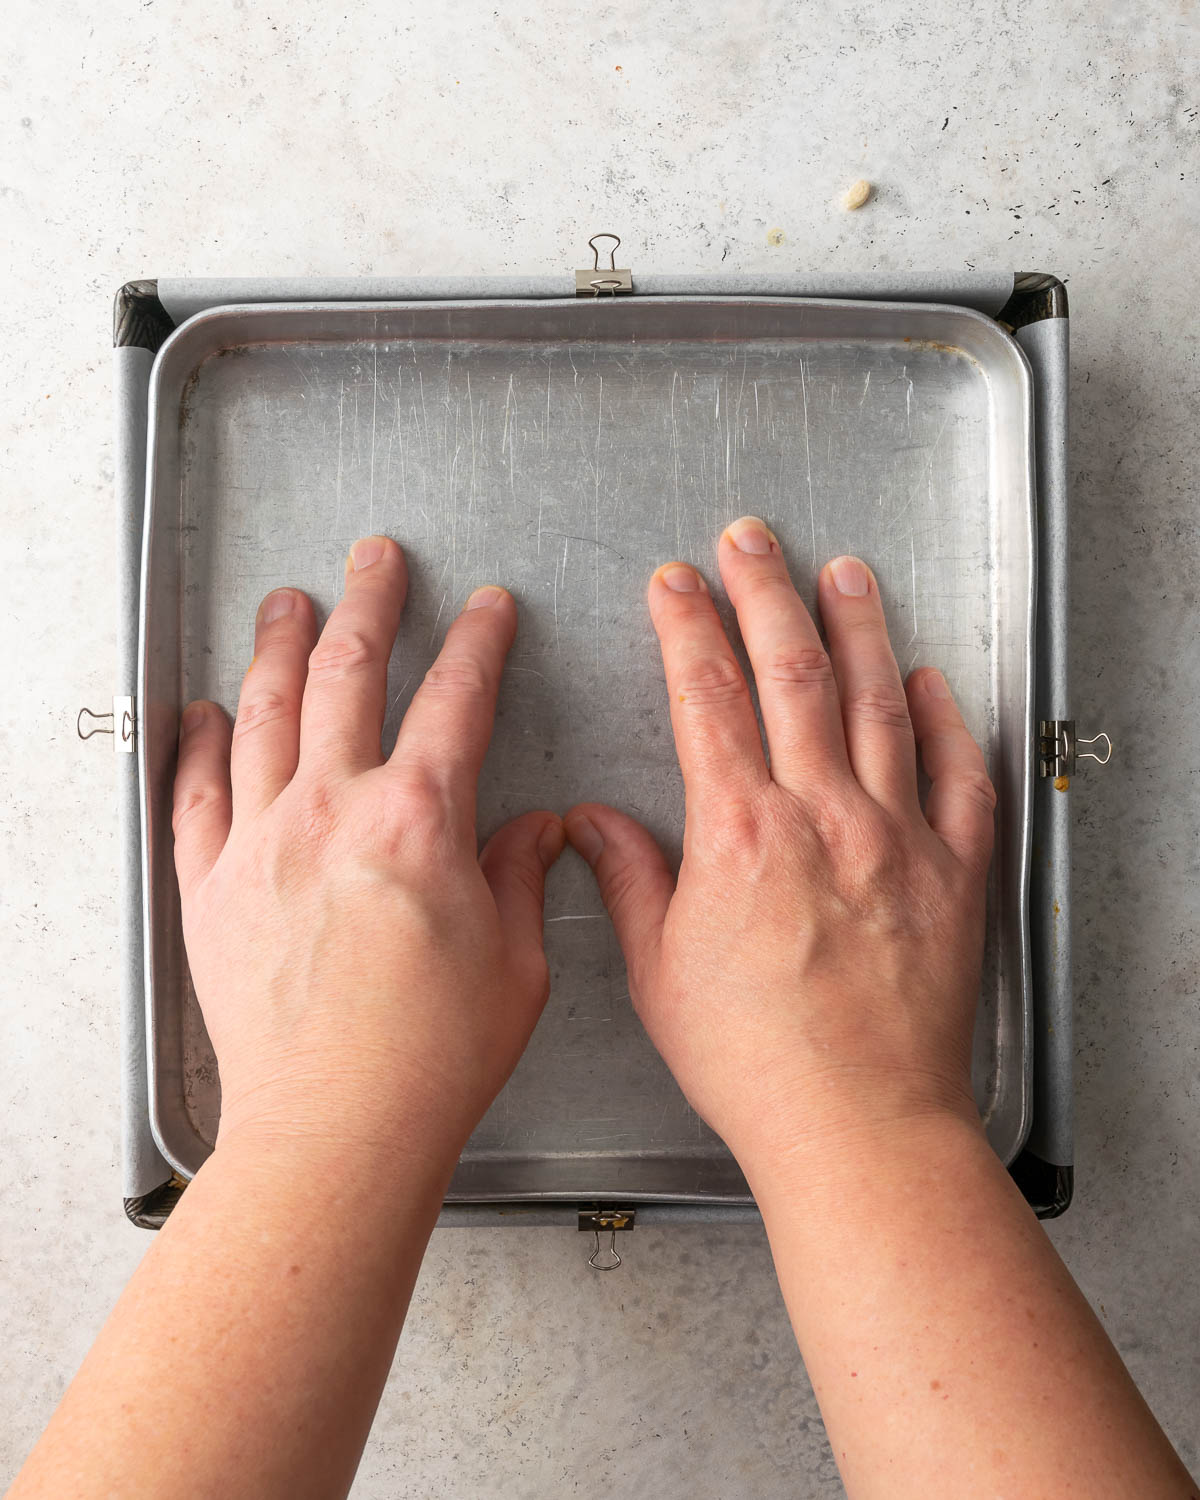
x=122, y=725
x=610, y=278
x=1059, y=750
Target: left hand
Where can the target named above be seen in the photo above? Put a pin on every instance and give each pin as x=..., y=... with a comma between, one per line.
x=361, y=970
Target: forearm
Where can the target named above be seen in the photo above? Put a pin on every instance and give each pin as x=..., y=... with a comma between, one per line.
x=949, y=1349
x=368, y=979
x=248, y=1353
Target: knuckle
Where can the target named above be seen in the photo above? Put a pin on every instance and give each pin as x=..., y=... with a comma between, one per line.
x=457, y=677
x=415, y=788
x=261, y=709
x=317, y=814
x=878, y=865
x=737, y=832
x=866, y=622
x=851, y=829
x=764, y=581
x=342, y=652
x=622, y=889
x=734, y=830
x=868, y=868
x=881, y=703
x=190, y=803
x=417, y=807
x=798, y=666
x=711, y=681
x=527, y=876
x=976, y=788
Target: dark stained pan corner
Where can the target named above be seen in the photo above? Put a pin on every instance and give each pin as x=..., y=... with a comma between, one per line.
x=1036, y=295
x=140, y=321
x=1046, y=1186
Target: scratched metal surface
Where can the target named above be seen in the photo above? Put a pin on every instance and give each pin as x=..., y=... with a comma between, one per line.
x=566, y=457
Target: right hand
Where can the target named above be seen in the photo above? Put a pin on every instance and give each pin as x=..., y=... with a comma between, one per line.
x=813, y=972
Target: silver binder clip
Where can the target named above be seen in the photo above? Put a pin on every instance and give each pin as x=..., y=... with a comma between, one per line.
x=121, y=724
x=611, y=1219
x=1101, y=760
x=594, y=1258
x=1058, y=750
x=600, y=279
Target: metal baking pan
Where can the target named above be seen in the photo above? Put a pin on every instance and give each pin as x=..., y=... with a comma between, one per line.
x=565, y=447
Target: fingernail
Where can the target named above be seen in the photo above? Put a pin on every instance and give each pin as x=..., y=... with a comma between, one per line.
x=550, y=842
x=367, y=551
x=850, y=576
x=936, y=685
x=276, y=605
x=751, y=535
x=683, y=580
x=585, y=837
x=481, y=598
x=193, y=716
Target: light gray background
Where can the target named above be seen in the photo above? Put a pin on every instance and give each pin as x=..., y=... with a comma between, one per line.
x=156, y=138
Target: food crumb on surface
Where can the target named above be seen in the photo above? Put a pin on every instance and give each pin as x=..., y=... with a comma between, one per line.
x=856, y=194
x=1061, y=783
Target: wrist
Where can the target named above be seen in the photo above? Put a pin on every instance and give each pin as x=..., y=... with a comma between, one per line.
x=381, y=1108
x=341, y=1144
x=809, y=1157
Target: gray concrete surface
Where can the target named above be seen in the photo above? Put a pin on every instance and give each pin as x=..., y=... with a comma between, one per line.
x=147, y=138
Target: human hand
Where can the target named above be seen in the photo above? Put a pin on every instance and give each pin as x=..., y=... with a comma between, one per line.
x=360, y=969
x=814, y=971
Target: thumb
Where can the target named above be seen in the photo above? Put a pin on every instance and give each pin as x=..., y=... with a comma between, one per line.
x=635, y=881
x=514, y=862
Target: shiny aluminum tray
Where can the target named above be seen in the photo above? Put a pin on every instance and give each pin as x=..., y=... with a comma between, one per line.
x=564, y=448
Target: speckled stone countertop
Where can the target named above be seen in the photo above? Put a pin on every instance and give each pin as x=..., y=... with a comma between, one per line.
x=214, y=138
